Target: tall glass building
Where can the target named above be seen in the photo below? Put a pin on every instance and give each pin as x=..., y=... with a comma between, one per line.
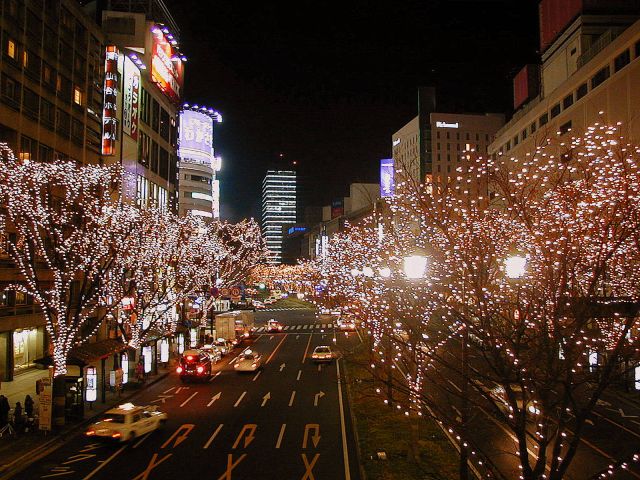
x=278, y=209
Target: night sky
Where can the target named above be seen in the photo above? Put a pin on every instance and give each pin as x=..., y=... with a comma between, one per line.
x=327, y=83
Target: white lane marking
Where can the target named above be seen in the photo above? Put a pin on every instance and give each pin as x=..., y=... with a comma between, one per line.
x=257, y=375
x=635, y=434
x=359, y=336
x=319, y=367
x=330, y=325
x=293, y=395
x=284, y=425
x=455, y=386
x=214, y=398
x=304, y=327
x=299, y=373
x=304, y=357
x=187, y=400
x=324, y=325
x=141, y=440
x=239, y=399
x=271, y=337
x=167, y=391
x=260, y=329
x=213, y=435
x=105, y=462
x=345, y=452
x=214, y=377
x=286, y=327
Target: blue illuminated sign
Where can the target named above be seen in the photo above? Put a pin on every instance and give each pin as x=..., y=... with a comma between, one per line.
x=297, y=229
x=387, y=181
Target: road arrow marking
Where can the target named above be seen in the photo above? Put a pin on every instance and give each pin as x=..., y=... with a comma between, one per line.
x=239, y=399
x=315, y=438
x=299, y=373
x=308, y=474
x=622, y=414
x=214, y=398
x=320, y=394
x=187, y=427
x=284, y=425
x=152, y=464
x=293, y=395
x=282, y=366
x=256, y=376
x=265, y=399
x=187, y=400
x=249, y=427
x=213, y=435
x=231, y=465
x=162, y=398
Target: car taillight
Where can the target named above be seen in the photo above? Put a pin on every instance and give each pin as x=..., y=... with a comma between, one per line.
x=253, y=364
x=91, y=432
x=116, y=435
x=200, y=369
x=189, y=357
x=246, y=334
x=179, y=370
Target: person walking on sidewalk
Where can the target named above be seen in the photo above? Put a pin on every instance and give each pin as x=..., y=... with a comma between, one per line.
x=18, y=419
x=140, y=372
x=4, y=411
x=28, y=406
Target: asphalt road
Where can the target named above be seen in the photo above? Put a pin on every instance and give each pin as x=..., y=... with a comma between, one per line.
x=288, y=421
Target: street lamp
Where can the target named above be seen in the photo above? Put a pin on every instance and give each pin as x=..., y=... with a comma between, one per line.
x=355, y=272
x=367, y=272
x=515, y=266
x=385, y=272
x=415, y=266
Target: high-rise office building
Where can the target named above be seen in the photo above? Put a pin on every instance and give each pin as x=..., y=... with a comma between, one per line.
x=279, y=208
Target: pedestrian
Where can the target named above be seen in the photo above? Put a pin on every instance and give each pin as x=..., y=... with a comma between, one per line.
x=4, y=411
x=18, y=420
x=28, y=406
x=140, y=371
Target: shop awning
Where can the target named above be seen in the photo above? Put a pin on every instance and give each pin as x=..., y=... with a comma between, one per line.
x=90, y=352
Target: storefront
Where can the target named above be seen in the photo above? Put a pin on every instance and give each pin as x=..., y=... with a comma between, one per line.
x=28, y=345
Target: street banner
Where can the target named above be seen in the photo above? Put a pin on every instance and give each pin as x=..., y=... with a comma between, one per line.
x=46, y=403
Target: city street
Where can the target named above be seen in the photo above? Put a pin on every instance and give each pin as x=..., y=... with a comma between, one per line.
x=289, y=420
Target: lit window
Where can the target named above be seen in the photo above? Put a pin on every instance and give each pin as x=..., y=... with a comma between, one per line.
x=11, y=49
x=58, y=83
x=77, y=96
x=25, y=59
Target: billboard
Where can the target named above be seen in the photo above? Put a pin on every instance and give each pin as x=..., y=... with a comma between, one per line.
x=337, y=207
x=387, y=181
x=196, y=138
x=110, y=103
x=215, y=193
x=166, y=66
x=131, y=94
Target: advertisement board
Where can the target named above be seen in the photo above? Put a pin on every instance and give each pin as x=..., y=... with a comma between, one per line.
x=337, y=207
x=45, y=404
x=387, y=181
x=166, y=66
x=215, y=193
x=110, y=104
x=131, y=94
x=196, y=137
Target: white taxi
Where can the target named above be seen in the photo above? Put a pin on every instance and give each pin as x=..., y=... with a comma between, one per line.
x=248, y=361
x=126, y=422
x=322, y=353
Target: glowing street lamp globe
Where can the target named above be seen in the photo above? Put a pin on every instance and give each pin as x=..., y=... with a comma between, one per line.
x=355, y=272
x=367, y=271
x=385, y=272
x=415, y=266
x=515, y=266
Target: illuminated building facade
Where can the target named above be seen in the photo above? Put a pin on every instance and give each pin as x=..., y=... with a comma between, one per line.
x=199, y=187
x=279, y=208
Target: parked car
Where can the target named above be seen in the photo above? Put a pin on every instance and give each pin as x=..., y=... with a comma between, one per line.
x=322, y=354
x=248, y=361
x=195, y=365
x=126, y=422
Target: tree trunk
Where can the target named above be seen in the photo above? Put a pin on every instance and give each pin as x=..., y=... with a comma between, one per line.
x=413, y=453
x=59, y=386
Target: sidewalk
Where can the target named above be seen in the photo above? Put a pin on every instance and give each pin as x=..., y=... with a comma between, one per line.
x=14, y=450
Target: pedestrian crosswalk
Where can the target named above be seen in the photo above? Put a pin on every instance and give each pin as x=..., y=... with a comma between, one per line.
x=308, y=327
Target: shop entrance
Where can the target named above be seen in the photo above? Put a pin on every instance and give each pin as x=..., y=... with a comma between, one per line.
x=27, y=346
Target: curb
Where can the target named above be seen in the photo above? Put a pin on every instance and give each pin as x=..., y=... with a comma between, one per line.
x=61, y=438
x=363, y=474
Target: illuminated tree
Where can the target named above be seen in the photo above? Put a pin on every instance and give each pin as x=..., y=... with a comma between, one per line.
x=64, y=228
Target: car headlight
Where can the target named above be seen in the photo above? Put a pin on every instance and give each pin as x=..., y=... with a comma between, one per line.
x=533, y=409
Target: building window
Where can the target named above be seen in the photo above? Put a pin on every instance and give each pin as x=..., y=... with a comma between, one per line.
x=524, y=134
x=582, y=91
x=77, y=95
x=555, y=110
x=568, y=101
x=515, y=140
x=544, y=119
x=46, y=74
x=637, y=49
x=11, y=49
x=10, y=89
x=25, y=59
x=600, y=77
x=154, y=157
x=533, y=127
x=565, y=127
x=621, y=61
